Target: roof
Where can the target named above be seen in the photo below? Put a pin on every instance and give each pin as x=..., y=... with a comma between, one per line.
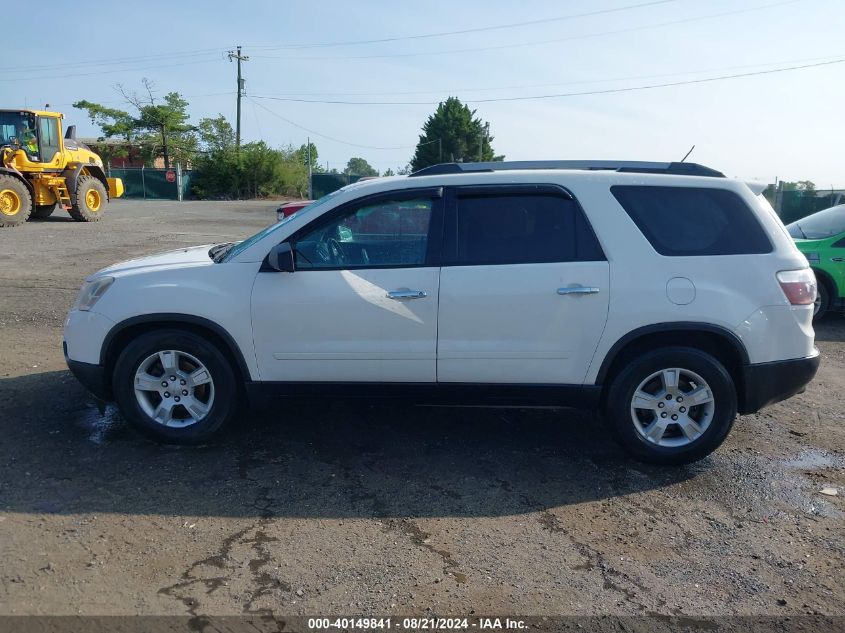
x=31, y=111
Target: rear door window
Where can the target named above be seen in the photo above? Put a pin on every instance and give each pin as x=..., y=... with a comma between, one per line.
x=503, y=228
x=690, y=221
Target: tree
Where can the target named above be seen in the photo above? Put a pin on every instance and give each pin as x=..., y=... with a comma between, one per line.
x=360, y=167
x=389, y=172
x=267, y=171
x=217, y=170
x=257, y=170
x=302, y=155
x=112, y=122
x=453, y=133
x=161, y=125
x=216, y=135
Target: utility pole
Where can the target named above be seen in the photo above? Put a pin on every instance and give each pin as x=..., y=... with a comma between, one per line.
x=310, y=191
x=241, y=58
x=484, y=131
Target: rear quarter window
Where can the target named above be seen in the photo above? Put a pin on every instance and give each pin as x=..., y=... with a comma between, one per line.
x=693, y=221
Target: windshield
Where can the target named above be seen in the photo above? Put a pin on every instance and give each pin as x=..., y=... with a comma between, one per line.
x=236, y=249
x=17, y=126
x=820, y=225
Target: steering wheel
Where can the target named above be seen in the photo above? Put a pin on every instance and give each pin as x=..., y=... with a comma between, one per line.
x=336, y=251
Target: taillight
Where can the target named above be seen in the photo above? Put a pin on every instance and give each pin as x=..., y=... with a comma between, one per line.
x=799, y=286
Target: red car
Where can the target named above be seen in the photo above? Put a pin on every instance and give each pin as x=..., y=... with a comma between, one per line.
x=289, y=208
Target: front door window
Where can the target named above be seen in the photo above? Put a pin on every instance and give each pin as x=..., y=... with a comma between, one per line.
x=391, y=234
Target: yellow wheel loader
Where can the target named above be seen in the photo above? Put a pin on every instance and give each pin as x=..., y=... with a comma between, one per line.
x=41, y=170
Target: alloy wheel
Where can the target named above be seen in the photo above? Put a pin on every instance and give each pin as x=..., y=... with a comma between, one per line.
x=174, y=388
x=672, y=407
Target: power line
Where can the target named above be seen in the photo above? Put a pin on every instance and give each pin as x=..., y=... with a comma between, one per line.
x=570, y=94
x=321, y=135
x=111, y=62
x=206, y=51
x=479, y=29
x=103, y=72
x=197, y=52
x=545, y=85
x=536, y=42
x=123, y=101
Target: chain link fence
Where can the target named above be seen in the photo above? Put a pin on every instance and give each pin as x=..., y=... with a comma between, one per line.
x=794, y=205
x=153, y=184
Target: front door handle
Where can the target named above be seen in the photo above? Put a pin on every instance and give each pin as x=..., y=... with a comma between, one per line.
x=404, y=295
x=578, y=290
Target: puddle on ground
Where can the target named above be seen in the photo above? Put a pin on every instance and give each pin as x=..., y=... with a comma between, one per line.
x=814, y=459
x=101, y=421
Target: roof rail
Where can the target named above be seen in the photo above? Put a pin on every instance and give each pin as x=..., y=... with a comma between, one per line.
x=642, y=167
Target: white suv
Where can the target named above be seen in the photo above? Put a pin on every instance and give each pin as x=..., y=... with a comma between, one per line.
x=663, y=293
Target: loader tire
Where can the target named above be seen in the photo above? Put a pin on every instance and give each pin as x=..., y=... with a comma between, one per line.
x=15, y=201
x=89, y=200
x=43, y=211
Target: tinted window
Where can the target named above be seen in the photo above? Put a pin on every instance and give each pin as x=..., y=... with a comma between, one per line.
x=521, y=229
x=386, y=234
x=686, y=221
x=820, y=225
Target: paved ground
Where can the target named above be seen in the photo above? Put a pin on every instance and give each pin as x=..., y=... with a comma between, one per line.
x=331, y=507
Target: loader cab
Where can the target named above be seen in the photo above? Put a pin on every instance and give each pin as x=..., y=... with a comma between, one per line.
x=36, y=137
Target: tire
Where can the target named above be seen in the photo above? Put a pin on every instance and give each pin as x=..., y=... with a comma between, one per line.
x=822, y=301
x=219, y=396
x=43, y=211
x=89, y=200
x=713, y=419
x=15, y=201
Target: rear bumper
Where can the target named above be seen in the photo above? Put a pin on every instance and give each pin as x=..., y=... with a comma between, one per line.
x=768, y=383
x=92, y=377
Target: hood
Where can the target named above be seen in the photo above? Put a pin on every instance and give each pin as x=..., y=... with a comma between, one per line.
x=193, y=256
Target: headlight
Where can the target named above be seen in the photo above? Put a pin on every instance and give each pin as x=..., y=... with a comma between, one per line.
x=91, y=292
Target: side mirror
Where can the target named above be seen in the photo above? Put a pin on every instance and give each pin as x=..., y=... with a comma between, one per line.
x=280, y=258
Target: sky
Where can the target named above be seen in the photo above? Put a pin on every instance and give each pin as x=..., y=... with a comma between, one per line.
x=786, y=124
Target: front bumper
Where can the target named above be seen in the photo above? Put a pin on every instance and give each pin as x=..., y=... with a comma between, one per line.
x=92, y=377
x=768, y=383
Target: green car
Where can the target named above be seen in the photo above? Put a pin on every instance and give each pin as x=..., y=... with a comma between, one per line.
x=821, y=237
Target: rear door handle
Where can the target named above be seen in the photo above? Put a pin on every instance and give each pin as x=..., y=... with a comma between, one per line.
x=404, y=295
x=836, y=259
x=578, y=290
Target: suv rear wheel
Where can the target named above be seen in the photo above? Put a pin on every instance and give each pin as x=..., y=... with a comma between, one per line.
x=671, y=406
x=175, y=386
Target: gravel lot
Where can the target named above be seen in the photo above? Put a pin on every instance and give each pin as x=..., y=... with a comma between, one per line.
x=355, y=508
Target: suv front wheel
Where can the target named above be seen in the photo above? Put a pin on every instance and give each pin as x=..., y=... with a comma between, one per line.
x=175, y=386
x=671, y=406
